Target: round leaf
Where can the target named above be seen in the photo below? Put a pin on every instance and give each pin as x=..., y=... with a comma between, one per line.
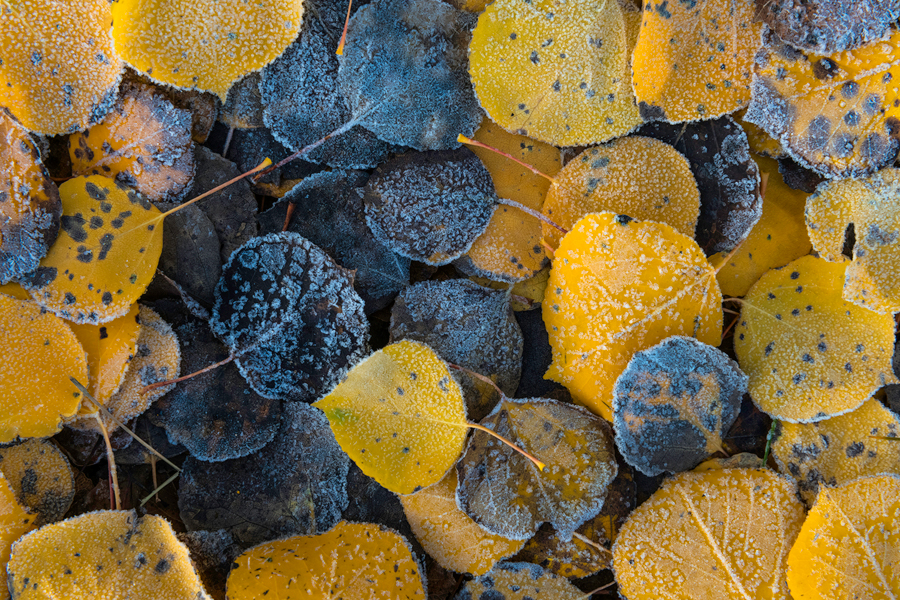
x=41, y=477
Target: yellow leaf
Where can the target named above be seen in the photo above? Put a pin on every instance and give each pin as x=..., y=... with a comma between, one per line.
x=14, y=521
x=811, y=355
x=619, y=286
x=693, y=59
x=41, y=477
x=636, y=176
x=59, y=72
x=849, y=546
x=400, y=416
x=38, y=356
x=760, y=142
x=520, y=581
x=206, y=44
x=871, y=205
x=361, y=561
x=723, y=533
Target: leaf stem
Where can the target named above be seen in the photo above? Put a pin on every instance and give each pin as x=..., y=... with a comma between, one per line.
x=591, y=542
x=111, y=464
x=307, y=149
x=218, y=188
x=340, y=48
x=530, y=211
x=540, y=465
x=470, y=142
x=205, y=369
x=158, y=489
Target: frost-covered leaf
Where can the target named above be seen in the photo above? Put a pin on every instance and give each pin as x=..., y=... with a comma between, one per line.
x=723, y=533
x=354, y=560
x=105, y=255
x=191, y=253
x=849, y=546
x=636, y=176
x=243, y=107
x=777, y=238
x=728, y=179
x=404, y=73
x=872, y=206
x=59, y=72
x=829, y=26
x=693, y=59
x=510, y=248
x=249, y=147
x=834, y=114
x=674, y=403
x=430, y=206
x=557, y=72
x=519, y=581
x=811, y=355
x=29, y=203
x=38, y=355
x=505, y=493
x=840, y=449
x=203, y=44
x=295, y=484
x=103, y=554
x=449, y=535
x=329, y=212
x=41, y=478
x=619, y=286
x=15, y=520
x=290, y=315
x=400, y=416
x=760, y=142
x=467, y=325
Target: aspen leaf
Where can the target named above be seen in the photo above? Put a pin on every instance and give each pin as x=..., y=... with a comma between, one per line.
x=400, y=415
x=505, y=493
x=102, y=554
x=777, y=238
x=59, y=72
x=849, y=545
x=673, y=404
x=619, y=286
x=449, y=535
x=15, y=520
x=519, y=581
x=41, y=477
x=636, y=176
x=354, y=560
x=839, y=449
x=834, y=114
x=105, y=256
x=243, y=108
x=208, y=44
x=811, y=355
x=723, y=533
x=693, y=60
x=144, y=143
x=29, y=203
x=760, y=142
x=554, y=71
x=36, y=401
x=871, y=205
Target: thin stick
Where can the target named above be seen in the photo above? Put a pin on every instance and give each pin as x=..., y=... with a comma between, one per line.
x=153, y=473
x=537, y=215
x=160, y=384
x=111, y=464
x=470, y=142
x=599, y=589
x=738, y=300
x=730, y=312
x=218, y=188
x=227, y=142
x=340, y=48
x=288, y=215
x=730, y=325
x=590, y=542
x=157, y=490
x=548, y=249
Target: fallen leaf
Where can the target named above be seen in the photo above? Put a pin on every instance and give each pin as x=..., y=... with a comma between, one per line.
x=520, y=581
x=41, y=477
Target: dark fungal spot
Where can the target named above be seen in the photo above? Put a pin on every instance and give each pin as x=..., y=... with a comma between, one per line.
x=768, y=348
x=84, y=255
x=103, y=333
x=69, y=298
x=852, y=118
x=824, y=69
x=534, y=57
x=513, y=36
x=662, y=9
x=848, y=367
x=106, y=298
x=855, y=449
x=822, y=347
x=849, y=90
x=162, y=566
x=73, y=225
x=795, y=275
x=95, y=192
x=105, y=245
x=807, y=358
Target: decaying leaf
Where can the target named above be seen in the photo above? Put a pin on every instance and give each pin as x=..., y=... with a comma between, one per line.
x=29, y=202
x=554, y=71
x=191, y=252
x=295, y=484
x=15, y=520
x=619, y=286
x=41, y=477
x=761, y=143
x=144, y=143
x=400, y=415
x=449, y=535
x=693, y=60
x=290, y=316
x=519, y=581
x=207, y=44
x=243, y=108
x=430, y=206
x=505, y=493
x=104, y=554
x=59, y=72
x=403, y=73
x=849, y=546
x=723, y=533
x=467, y=325
x=811, y=355
x=105, y=256
x=353, y=560
x=636, y=176
x=36, y=401
x=673, y=404
x=871, y=205
x=834, y=114
x=840, y=449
